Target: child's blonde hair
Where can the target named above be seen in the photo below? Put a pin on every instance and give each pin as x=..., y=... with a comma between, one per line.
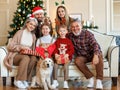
x=62, y=26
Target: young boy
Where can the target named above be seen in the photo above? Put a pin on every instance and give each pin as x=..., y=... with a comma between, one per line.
x=63, y=54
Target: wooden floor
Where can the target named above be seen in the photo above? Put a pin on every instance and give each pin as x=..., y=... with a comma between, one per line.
x=73, y=85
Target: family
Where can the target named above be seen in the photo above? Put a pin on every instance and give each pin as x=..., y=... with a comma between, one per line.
x=71, y=41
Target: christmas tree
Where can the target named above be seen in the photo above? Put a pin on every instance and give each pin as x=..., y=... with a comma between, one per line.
x=24, y=8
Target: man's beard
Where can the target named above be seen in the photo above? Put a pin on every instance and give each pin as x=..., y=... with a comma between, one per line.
x=40, y=19
x=76, y=34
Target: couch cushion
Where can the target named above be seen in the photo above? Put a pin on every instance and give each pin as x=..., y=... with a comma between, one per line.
x=73, y=68
x=103, y=40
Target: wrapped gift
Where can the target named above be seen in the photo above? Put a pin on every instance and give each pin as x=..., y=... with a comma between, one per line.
x=60, y=59
x=29, y=52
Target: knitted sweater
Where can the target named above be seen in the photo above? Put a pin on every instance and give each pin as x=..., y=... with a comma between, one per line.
x=68, y=46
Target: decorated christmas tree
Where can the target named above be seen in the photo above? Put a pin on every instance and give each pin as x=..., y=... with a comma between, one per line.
x=23, y=10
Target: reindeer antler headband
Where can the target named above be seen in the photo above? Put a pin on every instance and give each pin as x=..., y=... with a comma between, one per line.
x=62, y=3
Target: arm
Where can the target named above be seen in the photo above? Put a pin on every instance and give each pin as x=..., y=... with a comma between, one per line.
x=93, y=43
x=14, y=45
x=70, y=49
x=96, y=48
x=95, y=59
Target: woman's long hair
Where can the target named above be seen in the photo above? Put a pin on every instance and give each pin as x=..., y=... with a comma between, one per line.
x=66, y=15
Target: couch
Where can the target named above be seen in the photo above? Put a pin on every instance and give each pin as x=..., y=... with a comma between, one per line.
x=110, y=54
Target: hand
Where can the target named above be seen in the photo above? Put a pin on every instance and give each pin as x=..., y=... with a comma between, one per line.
x=25, y=47
x=57, y=56
x=95, y=59
x=66, y=56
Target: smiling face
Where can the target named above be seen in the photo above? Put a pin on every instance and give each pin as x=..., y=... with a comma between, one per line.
x=45, y=30
x=31, y=25
x=62, y=31
x=61, y=12
x=76, y=27
x=39, y=16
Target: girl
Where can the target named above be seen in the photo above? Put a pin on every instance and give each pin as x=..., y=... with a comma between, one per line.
x=45, y=44
x=46, y=38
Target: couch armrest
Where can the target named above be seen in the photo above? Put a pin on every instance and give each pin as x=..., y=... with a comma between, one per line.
x=113, y=59
x=3, y=69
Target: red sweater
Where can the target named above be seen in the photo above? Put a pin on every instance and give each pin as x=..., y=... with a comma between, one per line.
x=69, y=46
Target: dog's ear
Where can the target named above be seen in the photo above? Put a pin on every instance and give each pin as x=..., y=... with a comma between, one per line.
x=42, y=65
x=38, y=63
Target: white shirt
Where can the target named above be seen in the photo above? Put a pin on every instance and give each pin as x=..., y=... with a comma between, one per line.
x=26, y=39
x=45, y=39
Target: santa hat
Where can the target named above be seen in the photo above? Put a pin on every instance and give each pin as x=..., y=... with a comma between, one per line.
x=31, y=16
x=37, y=10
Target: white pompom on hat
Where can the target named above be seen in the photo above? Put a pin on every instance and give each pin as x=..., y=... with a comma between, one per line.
x=36, y=10
x=31, y=17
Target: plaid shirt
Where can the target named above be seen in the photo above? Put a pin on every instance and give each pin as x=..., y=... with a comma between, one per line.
x=85, y=44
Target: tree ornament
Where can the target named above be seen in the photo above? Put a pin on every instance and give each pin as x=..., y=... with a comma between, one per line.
x=15, y=20
x=19, y=14
x=33, y=3
x=19, y=10
x=23, y=17
x=41, y=5
x=24, y=12
x=22, y=22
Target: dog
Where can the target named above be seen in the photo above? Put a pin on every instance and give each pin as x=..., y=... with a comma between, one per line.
x=43, y=74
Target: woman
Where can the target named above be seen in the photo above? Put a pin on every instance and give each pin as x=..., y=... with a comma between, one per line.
x=23, y=39
x=62, y=17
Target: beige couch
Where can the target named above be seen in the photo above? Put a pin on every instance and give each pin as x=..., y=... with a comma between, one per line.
x=110, y=54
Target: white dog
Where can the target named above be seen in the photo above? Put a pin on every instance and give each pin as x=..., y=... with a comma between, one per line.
x=43, y=74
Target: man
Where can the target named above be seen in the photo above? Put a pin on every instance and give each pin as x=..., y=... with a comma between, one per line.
x=87, y=50
x=38, y=13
